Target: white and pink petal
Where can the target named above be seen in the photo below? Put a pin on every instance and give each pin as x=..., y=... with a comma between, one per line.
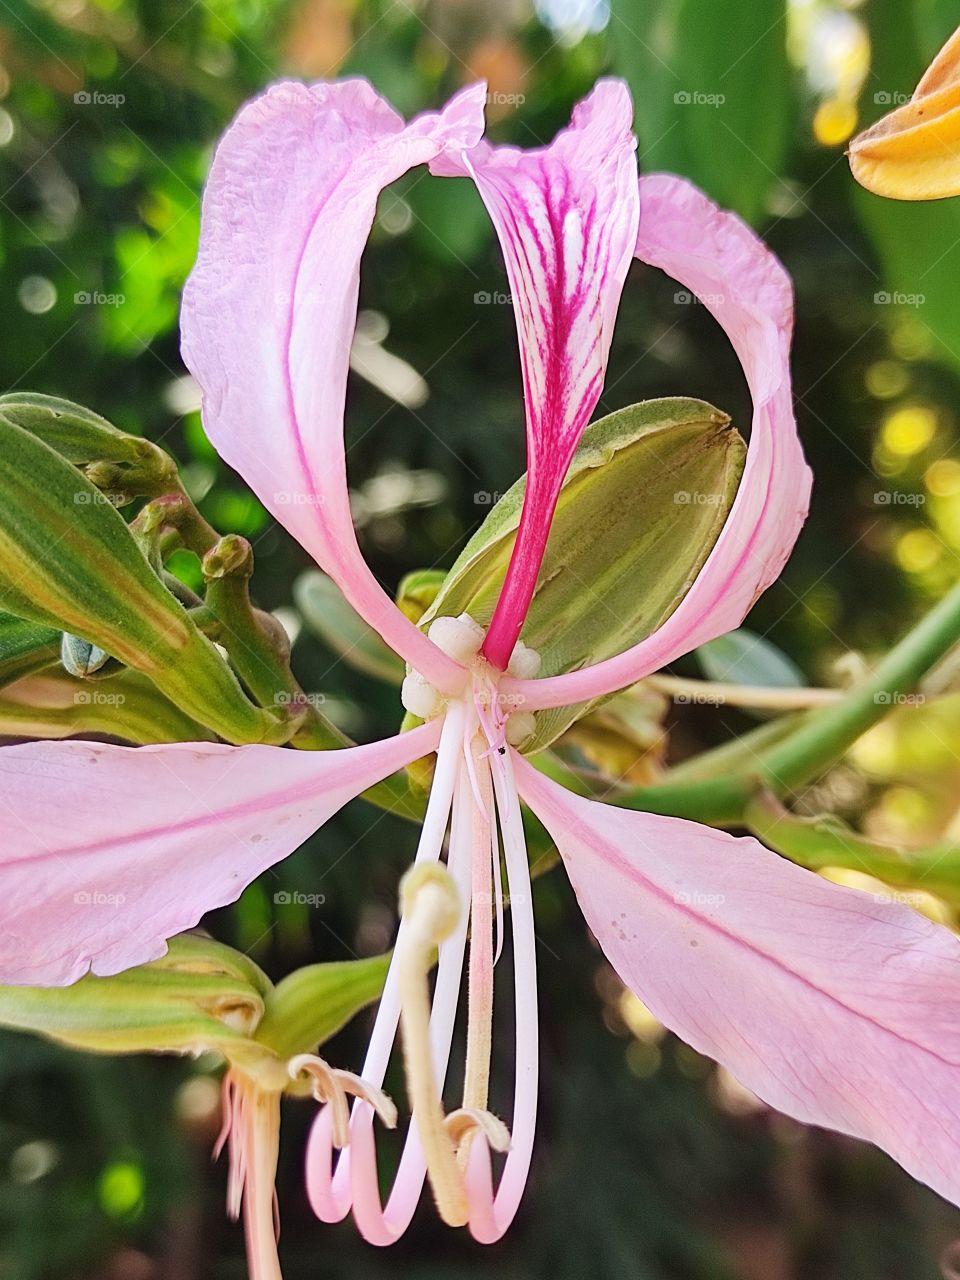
x=836, y=1007
x=109, y=851
x=270, y=308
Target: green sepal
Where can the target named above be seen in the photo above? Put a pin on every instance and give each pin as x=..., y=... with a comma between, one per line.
x=67, y=559
x=646, y=496
x=54, y=704
x=127, y=466
x=25, y=647
x=313, y=1003
x=331, y=617
x=200, y=995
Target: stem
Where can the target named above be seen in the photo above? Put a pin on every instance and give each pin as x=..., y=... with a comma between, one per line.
x=761, y=697
x=820, y=738
x=828, y=842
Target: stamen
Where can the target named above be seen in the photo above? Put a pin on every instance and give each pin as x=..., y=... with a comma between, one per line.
x=252, y=1129
x=431, y=908
x=419, y=697
x=466, y=1121
x=459, y=638
x=520, y=726
x=332, y=1086
x=524, y=662
x=480, y=990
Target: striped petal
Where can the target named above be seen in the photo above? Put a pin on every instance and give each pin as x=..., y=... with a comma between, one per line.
x=718, y=258
x=566, y=216
x=270, y=308
x=108, y=851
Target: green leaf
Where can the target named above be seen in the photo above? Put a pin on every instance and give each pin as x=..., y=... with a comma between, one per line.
x=329, y=615
x=645, y=498
x=313, y=1003
x=25, y=647
x=741, y=657
x=68, y=560
x=713, y=92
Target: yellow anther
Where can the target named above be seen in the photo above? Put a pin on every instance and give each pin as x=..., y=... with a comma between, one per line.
x=331, y=1085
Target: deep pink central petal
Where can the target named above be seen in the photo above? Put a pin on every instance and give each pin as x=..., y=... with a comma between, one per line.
x=567, y=217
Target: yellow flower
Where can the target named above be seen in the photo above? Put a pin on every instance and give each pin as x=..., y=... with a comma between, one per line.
x=913, y=152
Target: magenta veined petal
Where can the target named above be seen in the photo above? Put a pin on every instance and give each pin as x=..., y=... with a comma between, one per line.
x=836, y=1007
x=270, y=308
x=717, y=257
x=566, y=216
x=108, y=851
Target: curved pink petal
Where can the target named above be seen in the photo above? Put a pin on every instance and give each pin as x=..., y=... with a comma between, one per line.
x=270, y=308
x=108, y=851
x=834, y=1006
x=718, y=258
x=566, y=216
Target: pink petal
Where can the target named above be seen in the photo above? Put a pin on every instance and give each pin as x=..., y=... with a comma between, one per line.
x=108, y=851
x=270, y=309
x=839, y=1008
x=566, y=216
x=718, y=258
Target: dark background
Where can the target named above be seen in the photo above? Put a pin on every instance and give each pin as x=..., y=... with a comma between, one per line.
x=648, y=1164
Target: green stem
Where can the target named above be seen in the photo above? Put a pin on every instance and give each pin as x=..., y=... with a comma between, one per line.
x=820, y=738
x=828, y=842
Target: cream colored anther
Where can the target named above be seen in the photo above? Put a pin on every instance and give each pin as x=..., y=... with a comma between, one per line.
x=459, y=638
x=331, y=1085
x=431, y=911
x=524, y=662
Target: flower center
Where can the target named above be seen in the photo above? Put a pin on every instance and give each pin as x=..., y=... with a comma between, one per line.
x=499, y=715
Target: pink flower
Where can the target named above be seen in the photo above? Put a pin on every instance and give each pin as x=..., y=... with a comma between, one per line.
x=834, y=1007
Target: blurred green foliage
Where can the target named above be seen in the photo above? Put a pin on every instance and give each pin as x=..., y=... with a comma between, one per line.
x=647, y=1165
